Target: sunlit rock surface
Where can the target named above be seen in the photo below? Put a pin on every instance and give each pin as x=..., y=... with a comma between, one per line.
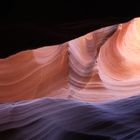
x=101, y=65
x=43, y=91
x=33, y=74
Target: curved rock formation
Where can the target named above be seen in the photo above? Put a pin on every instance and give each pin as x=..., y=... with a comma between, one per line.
x=65, y=119
x=119, y=58
x=101, y=65
x=31, y=74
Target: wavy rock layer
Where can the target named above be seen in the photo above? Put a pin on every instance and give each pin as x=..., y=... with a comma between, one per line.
x=119, y=58
x=33, y=74
x=63, y=119
x=94, y=67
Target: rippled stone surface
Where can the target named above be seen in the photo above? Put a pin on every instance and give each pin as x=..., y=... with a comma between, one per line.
x=101, y=65
x=63, y=119
x=61, y=70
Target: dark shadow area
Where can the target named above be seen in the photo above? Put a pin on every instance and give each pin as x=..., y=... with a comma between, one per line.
x=31, y=24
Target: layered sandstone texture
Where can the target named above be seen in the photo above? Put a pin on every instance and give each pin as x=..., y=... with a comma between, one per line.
x=102, y=65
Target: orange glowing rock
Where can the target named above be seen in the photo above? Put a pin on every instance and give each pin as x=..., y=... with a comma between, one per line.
x=101, y=65
x=119, y=58
x=34, y=73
